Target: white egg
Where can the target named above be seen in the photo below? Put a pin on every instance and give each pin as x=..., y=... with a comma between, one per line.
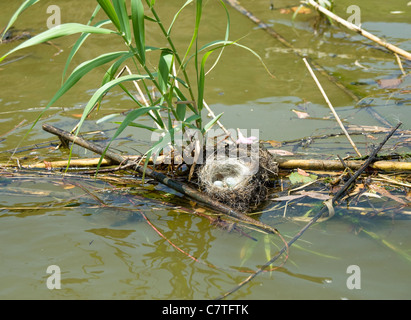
x=218, y=183
x=231, y=182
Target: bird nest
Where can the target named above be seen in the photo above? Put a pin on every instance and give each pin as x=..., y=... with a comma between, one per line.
x=241, y=182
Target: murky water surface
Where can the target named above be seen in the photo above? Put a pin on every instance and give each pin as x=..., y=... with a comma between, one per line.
x=117, y=239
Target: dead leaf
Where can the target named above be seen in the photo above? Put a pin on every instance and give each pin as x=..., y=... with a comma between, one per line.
x=369, y=194
x=288, y=198
x=301, y=114
x=281, y=152
x=386, y=193
x=315, y=195
x=389, y=83
x=358, y=187
x=47, y=165
x=285, y=11
x=303, y=10
x=274, y=143
x=200, y=210
x=369, y=136
x=335, y=189
x=300, y=9
x=302, y=172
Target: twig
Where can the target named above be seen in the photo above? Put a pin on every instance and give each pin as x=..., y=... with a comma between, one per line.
x=331, y=107
x=17, y=126
x=399, y=63
x=357, y=29
x=212, y=114
x=324, y=209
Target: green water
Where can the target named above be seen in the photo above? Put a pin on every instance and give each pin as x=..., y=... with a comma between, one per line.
x=95, y=231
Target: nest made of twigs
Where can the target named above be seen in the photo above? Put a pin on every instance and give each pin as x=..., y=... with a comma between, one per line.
x=239, y=182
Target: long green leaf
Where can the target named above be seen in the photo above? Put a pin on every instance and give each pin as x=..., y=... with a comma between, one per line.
x=139, y=125
x=26, y=4
x=77, y=46
x=81, y=39
x=137, y=18
x=110, y=12
x=83, y=69
x=227, y=34
x=102, y=90
x=121, y=11
x=131, y=116
x=57, y=32
x=111, y=72
x=199, y=6
x=222, y=43
x=176, y=16
x=201, y=81
x=164, y=69
x=76, y=75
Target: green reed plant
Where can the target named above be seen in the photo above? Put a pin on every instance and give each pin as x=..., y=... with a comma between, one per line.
x=128, y=20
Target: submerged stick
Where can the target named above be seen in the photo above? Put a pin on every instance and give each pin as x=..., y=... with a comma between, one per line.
x=331, y=106
x=334, y=201
x=180, y=187
x=360, y=31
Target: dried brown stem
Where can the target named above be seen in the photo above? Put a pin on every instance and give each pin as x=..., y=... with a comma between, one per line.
x=360, y=31
x=331, y=106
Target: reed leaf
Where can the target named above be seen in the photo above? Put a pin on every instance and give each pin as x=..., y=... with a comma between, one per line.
x=227, y=34
x=102, y=90
x=211, y=123
x=81, y=40
x=201, y=82
x=137, y=18
x=222, y=43
x=121, y=11
x=164, y=69
x=176, y=16
x=181, y=112
x=26, y=4
x=58, y=32
x=108, y=8
x=131, y=116
x=76, y=75
x=199, y=8
x=83, y=69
